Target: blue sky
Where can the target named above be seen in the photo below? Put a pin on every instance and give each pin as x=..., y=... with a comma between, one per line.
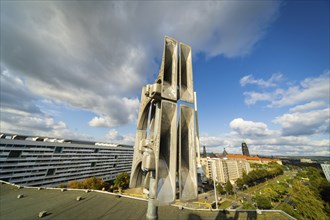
x=261, y=70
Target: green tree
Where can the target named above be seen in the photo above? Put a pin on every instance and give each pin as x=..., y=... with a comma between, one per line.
x=229, y=187
x=263, y=202
x=280, y=188
x=246, y=178
x=285, y=207
x=122, y=180
x=270, y=194
x=317, y=184
x=220, y=189
x=239, y=182
x=307, y=203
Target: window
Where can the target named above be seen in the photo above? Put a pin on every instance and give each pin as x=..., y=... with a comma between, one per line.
x=14, y=153
x=50, y=172
x=58, y=150
x=93, y=164
x=96, y=150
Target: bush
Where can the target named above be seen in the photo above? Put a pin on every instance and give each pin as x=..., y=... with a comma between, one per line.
x=248, y=206
x=89, y=183
x=288, y=209
x=122, y=181
x=263, y=202
x=74, y=185
x=93, y=183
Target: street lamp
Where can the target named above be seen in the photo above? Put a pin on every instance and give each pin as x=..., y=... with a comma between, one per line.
x=214, y=175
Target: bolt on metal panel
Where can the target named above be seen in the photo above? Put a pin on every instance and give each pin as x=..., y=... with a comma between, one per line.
x=186, y=74
x=187, y=155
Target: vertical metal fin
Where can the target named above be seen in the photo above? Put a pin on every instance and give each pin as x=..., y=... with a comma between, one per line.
x=168, y=73
x=186, y=74
x=165, y=153
x=187, y=155
x=137, y=177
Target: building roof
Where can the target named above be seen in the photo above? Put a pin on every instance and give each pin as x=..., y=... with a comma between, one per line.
x=255, y=158
x=57, y=140
x=96, y=205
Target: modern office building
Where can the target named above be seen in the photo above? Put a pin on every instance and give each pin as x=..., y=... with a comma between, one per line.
x=43, y=161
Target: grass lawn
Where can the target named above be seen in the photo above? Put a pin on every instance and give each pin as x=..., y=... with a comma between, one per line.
x=224, y=205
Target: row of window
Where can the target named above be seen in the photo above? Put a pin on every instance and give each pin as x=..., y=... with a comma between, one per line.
x=50, y=165
x=67, y=148
x=12, y=153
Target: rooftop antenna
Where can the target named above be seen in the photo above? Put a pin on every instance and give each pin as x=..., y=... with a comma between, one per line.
x=165, y=143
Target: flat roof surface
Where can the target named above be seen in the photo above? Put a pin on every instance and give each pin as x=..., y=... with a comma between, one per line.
x=95, y=205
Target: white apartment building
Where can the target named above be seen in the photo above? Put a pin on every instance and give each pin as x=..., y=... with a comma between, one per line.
x=223, y=169
x=42, y=161
x=326, y=171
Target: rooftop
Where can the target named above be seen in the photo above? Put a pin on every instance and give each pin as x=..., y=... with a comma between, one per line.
x=239, y=156
x=97, y=205
x=57, y=140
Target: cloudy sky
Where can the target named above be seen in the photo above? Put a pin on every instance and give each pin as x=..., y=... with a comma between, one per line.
x=261, y=69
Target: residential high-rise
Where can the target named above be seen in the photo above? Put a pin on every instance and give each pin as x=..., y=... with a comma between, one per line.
x=44, y=161
x=225, y=169
x=245, y=149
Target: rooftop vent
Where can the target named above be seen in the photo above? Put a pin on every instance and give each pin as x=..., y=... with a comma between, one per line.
x=42, y=214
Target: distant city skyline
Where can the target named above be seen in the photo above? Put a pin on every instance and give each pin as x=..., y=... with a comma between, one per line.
x=261, y=70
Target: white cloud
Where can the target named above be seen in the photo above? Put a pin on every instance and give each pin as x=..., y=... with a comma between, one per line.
x=304, y=123
x=264, y=141
x=308, y=106
x=114, y=137
x=30, y=122
x=95, y=56
x=15, y=96
x=310, y=89
x=299, y=127
x=103, y=122
x=253, y=97
x=21, y=114
x=271, y=82
x=249, y=128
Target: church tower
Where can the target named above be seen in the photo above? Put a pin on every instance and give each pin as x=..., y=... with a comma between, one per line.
x=204, y=152
x=245, y=149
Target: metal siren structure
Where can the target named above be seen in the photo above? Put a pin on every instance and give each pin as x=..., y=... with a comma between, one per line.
x=165, y=147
